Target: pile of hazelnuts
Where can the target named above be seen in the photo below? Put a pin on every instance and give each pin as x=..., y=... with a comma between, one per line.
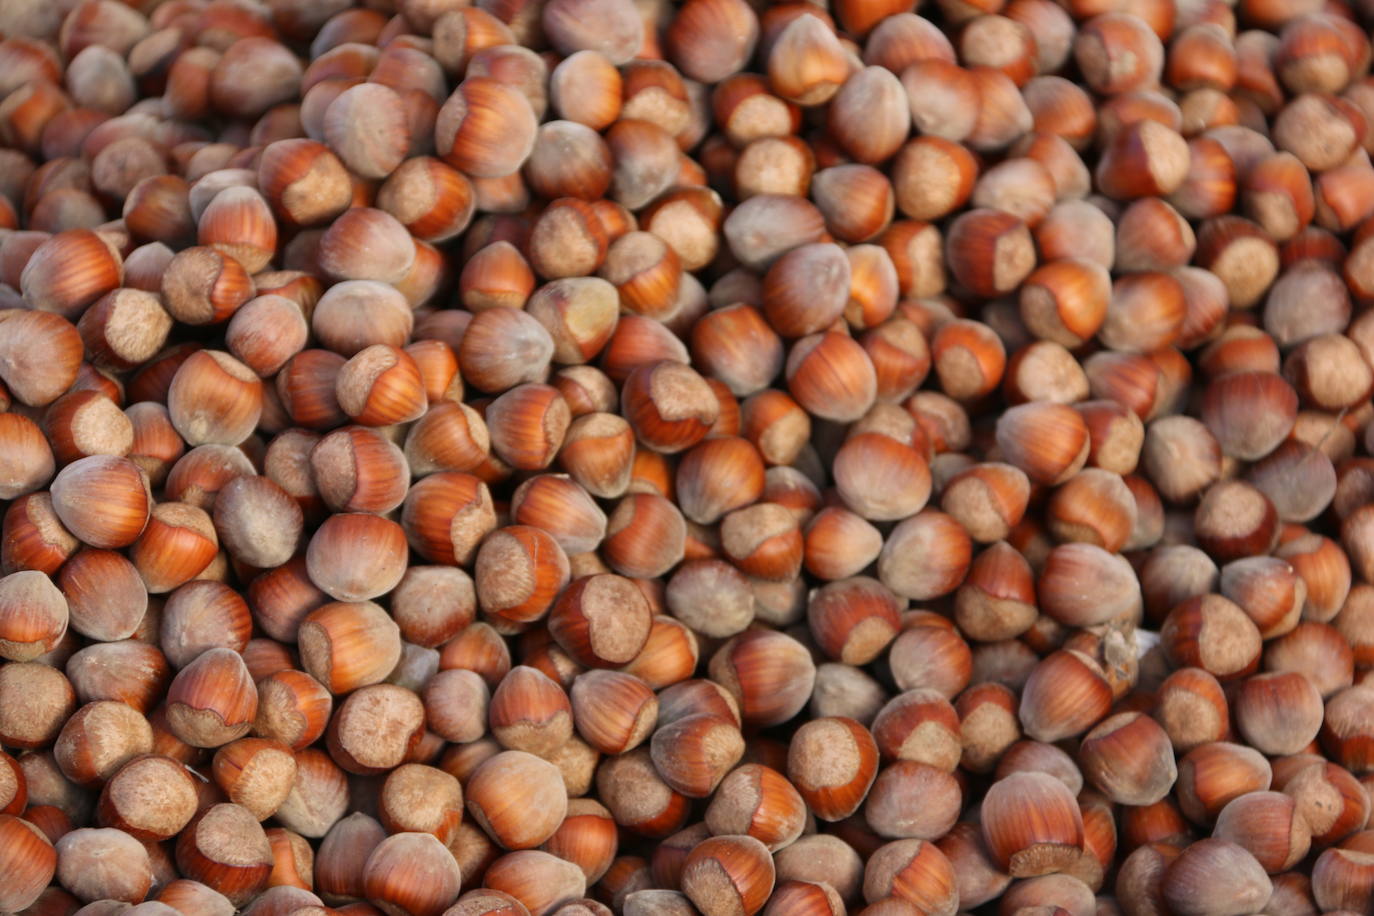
x=701, y=458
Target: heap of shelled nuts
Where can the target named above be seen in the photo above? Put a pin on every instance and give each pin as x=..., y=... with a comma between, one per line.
x=523, y=457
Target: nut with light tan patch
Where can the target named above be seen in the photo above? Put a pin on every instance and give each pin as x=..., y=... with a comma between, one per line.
x=226, y=849
x=669, y=405
x=769, y=673
x=518, y=572
x=530, y=712
x=997, y=599
x=178, y=544
x=1093, y=507
x=1032, y=824
x=347, y=645
x=98, y=739
x=150, y=798
x=527, y=424
x=853, y=620
x=1142, y=159
x=919, y=873
x=293, y=708
x=256, y=773
x=990, y=251
x=580, y=313
x=238, y=222
x=304, y=182
x=212, y=701
x=84, y=423
x=204, y=286
x=645, y=271
x=375, y=729
x=757, y=801
x=124, y=328
x=35, y=702
x=357, y=469
x=33, y=615
x=602, y=620
x=988, y=499
x=919, y=725
x=727, y=875
x=1328, y=799
x=421, y=799
x=694, y=753
x=433, y=200
x=1193, y=709
x=764, y=540
x=1212, y=633
x=832, y=762
x=987, y=724
x=381, y=386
